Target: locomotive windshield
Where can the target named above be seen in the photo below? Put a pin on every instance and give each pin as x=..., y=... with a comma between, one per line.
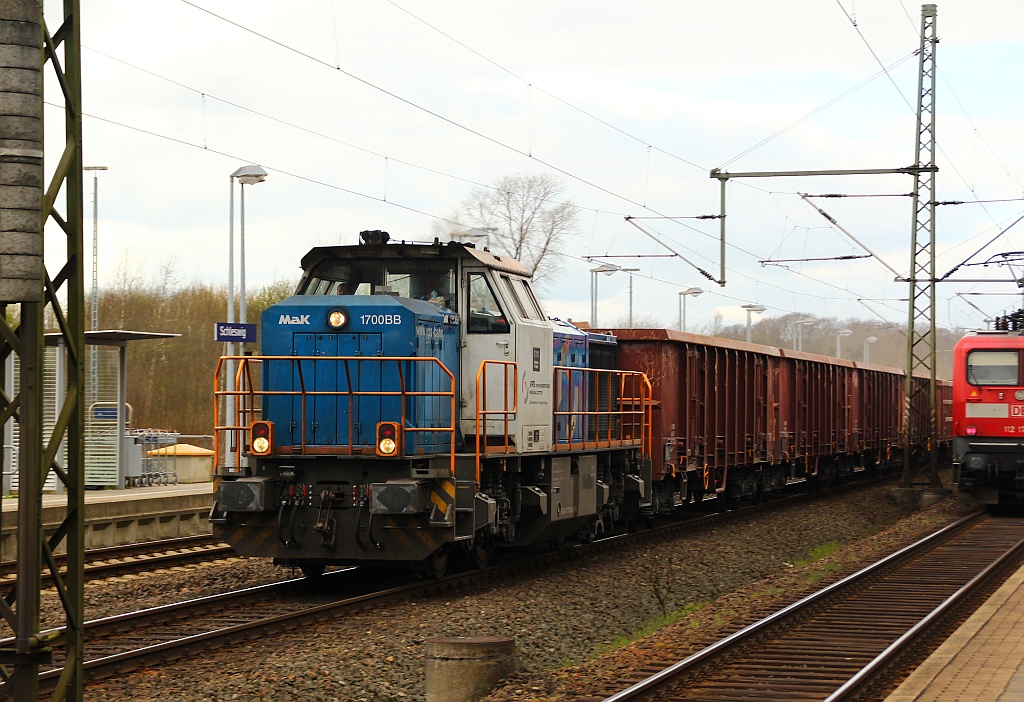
x=993, y=368
x=432, y=281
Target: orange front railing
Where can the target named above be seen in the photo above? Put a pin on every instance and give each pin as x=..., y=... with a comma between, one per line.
x=243, y=397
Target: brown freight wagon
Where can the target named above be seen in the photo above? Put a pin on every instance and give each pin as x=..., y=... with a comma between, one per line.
x=739, y=420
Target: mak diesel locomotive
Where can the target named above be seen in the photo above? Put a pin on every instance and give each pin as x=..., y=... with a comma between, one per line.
x=413, y=403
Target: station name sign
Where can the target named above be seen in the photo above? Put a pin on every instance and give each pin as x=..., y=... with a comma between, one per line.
x=230, y=331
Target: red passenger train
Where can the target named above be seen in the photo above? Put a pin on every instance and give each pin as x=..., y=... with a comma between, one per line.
x=988, y=415
x=741, y=420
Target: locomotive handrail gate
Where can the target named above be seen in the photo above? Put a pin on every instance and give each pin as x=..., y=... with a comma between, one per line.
x=249, y=406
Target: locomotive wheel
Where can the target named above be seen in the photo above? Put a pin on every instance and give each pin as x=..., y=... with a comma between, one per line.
x=312, y=569
x=435, y=565
x=480, y=554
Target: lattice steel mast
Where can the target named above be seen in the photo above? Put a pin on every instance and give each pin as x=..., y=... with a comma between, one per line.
x=26, y=203
x=920, y=462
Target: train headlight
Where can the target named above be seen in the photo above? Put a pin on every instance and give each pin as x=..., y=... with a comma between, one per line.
x=387, y=438
x=971, y=430
x=336, y=319
x=976, y=461
x=262, y=438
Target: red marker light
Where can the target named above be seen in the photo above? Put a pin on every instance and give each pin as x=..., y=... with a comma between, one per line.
x=971, y=431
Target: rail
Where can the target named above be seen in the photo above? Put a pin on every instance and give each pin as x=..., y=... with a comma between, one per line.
x=248, y=406
x=855, y=639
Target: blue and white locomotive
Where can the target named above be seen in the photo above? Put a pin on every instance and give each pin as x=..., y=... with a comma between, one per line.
x=413, y=402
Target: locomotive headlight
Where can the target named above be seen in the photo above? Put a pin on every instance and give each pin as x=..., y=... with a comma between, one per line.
x=972, y=430
x=336, y=319
x=1019, y=394
x=262, y=433
x=387, y=438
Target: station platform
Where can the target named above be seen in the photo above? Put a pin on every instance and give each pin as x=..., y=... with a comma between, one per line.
x=983, y=661
x=115, y=517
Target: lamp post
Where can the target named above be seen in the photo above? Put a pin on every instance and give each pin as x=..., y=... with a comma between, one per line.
x=94, y=320
x=607, y=269
x=839, y=336
x=631, y=271
x=867, y=348
x=752, y=308
x=800, y=324
x=246, y=175
x=682, y=304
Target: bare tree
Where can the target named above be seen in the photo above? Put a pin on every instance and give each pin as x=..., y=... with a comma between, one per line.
x=526, y=217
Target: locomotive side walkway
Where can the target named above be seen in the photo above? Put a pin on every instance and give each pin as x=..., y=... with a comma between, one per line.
x=115, y=517
x=983, y=661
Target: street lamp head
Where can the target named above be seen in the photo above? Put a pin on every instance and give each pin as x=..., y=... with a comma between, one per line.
x=692, y=291
x=871, y=339
x=250, y=175
x=844, y=332
x=606, y=268
x=755, y=308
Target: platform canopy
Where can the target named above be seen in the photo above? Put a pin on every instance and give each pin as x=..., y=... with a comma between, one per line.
x=111, y=337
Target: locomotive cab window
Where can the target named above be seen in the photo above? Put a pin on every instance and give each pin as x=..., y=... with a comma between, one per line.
x=485, y=314
x=431, y=281
x=518, y=291
x=993, y=368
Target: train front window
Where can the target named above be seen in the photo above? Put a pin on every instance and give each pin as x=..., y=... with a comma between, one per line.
x=432, y=281
x=993, y=368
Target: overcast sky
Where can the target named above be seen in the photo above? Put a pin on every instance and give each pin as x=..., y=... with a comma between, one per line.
x=384, y=115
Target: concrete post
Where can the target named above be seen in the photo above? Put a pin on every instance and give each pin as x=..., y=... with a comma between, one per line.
x=468, y=668
x=21, y=151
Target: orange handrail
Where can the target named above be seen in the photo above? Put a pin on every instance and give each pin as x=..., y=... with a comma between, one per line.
x=249, y=404
x=505, y=412
x=631, y=391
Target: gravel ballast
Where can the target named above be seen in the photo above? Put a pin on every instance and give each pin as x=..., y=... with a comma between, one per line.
x=560, y=617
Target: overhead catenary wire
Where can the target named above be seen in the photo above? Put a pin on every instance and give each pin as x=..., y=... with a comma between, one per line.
x=467, y=180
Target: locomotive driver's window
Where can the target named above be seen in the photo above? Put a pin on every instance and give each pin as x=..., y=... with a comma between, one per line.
x=993, y=368
x=485, y=314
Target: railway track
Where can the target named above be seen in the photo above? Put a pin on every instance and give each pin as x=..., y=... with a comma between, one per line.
x=131, y=558
x=118, y=645
x=853, y=637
